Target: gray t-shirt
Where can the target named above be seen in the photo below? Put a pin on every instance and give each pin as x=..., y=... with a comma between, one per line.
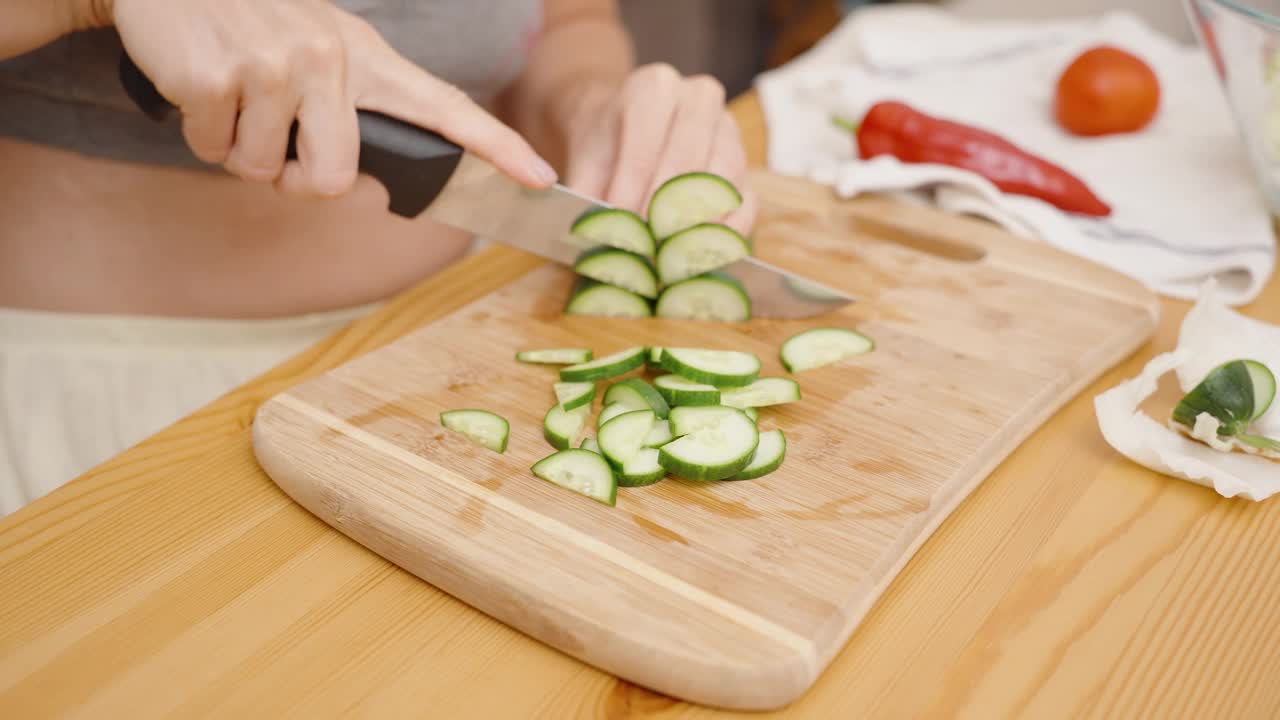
x=67, y=94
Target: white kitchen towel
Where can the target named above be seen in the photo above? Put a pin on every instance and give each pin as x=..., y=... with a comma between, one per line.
x=1185, y=204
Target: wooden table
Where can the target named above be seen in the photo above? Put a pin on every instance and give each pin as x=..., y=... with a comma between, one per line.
x=177, y=580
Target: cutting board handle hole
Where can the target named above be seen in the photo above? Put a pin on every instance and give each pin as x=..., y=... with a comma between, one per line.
x=929, y=243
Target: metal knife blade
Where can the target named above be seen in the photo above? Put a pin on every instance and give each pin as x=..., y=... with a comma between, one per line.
x=425, y=173
x=482, y=200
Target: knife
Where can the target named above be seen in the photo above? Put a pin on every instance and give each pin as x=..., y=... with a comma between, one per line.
x=426, y=174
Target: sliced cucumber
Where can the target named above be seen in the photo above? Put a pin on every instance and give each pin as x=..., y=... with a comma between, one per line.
x=689, y=199
x=573, y=395
x=643, y=469
x=610, y=412
x=589, y=443
x=655, y=354
x=762, y=392
x=636, y=394
x=715, y=451
x=678, y=391
x=617, y=228
x=713, y=296
x=600, y=300
x=619, y=268
x=660, y=434
x=554, y=356
x=690, y=419
x=822, y=346
x=623, y=436
x=480, y=426
x=1264, y=387
x=722, y=368
x=581, y=471
x=752, y=413
x=768, y=456
x=562, y=428
x=700, y=249
x=605, y=367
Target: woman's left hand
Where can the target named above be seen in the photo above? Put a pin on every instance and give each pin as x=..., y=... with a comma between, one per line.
x=625, y=141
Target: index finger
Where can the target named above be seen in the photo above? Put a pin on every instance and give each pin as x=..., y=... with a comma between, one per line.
x=397, y=87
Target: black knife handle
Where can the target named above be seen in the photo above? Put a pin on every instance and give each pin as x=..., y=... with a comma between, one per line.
x=413, y=163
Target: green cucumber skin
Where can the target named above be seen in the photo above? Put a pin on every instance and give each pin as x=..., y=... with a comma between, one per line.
x=646, y=393
x=672, y=365
x=684, y=471
x=634, y=481
x=590, y=260
x=676, y=397
x=673, y=296
x=611, y=501
x=556, y=441
x=588, y=291
x=659, y=197
x=580, y=401
x=506, y=427
x=604, y=372
x=749, y=473
x=583, y=227
x=669, y=253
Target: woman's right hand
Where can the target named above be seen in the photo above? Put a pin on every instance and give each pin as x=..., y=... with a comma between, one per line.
x=241, y=72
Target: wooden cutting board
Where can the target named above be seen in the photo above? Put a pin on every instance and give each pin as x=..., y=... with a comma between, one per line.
x=730, y=594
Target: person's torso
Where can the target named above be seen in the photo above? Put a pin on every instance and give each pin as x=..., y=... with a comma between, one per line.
x=107, y=211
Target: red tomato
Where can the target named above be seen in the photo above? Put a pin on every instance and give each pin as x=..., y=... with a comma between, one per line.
x=1106, y=90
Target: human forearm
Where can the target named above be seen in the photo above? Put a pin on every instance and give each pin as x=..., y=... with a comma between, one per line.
x=583, y=46
x=27, y=24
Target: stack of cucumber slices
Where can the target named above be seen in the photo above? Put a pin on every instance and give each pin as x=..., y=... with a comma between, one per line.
x=695, y=418
x=669, y=264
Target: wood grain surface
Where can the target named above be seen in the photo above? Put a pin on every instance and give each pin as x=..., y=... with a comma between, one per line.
x=735, y=595
x=176, y=580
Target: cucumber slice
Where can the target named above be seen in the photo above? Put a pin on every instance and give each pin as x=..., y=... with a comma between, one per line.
x=678, y=391
x=715, y=451
x=643, y=469
x=689, y=199
x=619, y=268
x=480, y=426
x=752, y=413
x=722, y=368
x=689, y=419
x=606, y=367
x=822, y=346
x=554, y=356
x=660, y=434
x=610, y=412
x=573, y=395
x=581, y=471
x=623, y=436
x=589, y=443
x=1264, y=387
x=768, y=456
x=700, y=249
x=600, y=300
x=713, y=296
x=562, y=428
x=636, y=394
x=655, y=354
x=762, y=392
x=617, y=228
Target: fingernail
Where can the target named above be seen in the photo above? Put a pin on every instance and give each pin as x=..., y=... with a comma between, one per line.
x=543, y=172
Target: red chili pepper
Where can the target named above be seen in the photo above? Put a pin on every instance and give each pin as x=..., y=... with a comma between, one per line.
x=893, y=128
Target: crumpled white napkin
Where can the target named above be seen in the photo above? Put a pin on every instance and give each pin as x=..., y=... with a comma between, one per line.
x=1211, y=334
x=1185, y=203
